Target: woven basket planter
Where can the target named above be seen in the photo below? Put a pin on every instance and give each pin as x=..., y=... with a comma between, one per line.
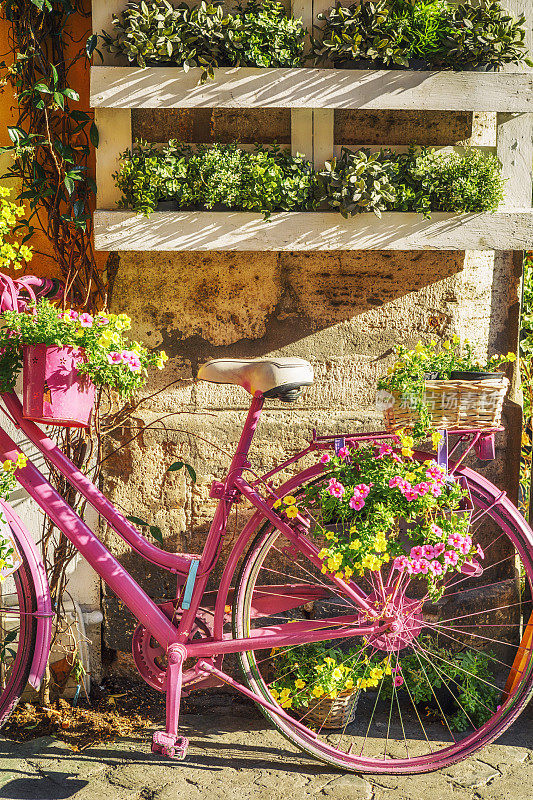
x=453, y=405
x=333, y=713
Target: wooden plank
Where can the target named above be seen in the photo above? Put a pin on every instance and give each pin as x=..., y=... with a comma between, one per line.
x=172, y=231
x=114, y=128
x=515, y=151
x=246, y=87
x=302, y=132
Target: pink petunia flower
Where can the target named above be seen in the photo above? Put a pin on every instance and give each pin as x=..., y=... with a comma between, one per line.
x=451, y=558
x=325, y=458
x=114, y=358
x=455, y=540
x=384, y=450
x=439, y=548
x=464, y=547
x=410, y=494
x=429, y=551
x=423, y=565
x=436, y=490
x=363, y=489
x=413, y=566
x=335, y=488
x=101, y=320
x=356, y=502
x=436, y=567
x=422, y=488
x=395, y=481
x=435, y=529
x=417, y=552
x=398, y=680
x=344, y=453
x=135, y=363
x=401, y=563
x=85, y=320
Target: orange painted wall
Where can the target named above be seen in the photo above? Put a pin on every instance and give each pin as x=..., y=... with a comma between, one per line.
x=80, y=28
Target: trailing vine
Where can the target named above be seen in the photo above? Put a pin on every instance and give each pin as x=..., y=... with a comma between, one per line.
x=51, y=142
x=51, y=146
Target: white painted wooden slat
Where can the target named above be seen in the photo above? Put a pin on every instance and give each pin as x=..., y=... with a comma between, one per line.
x=247, y=87
x=114, y=129
x=172, y=231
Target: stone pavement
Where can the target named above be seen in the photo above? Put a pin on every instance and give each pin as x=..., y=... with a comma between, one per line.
x=235, y=756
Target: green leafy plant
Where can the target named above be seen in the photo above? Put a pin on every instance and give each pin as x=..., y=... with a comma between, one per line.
x=358, y=181
x=402, y=33
x=109, y=358
x=258, y=34
x=407, y=377
x=263, y=180
x=419, y=180
x=456, y=683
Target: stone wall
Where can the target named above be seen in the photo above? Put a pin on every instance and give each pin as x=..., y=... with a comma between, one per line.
x=343, y=311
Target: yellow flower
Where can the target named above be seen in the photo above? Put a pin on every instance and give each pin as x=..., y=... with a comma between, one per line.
x=292, y=512
x=420, y=348
x=22, y=460
x=436, y=438
x=324, y=553
x=339, y=575
x=348, y=572
x=285, y=693
x=7, y=466
x=299, y=683
x=333, y=694
x=446, y=345
x=336, y=674
x=355, y=545
x=407, y=452
x=277, y=504
x=324, y=570
x=286, y=703
x=289, y=500
x=330, y=535
x=376, y=673
x=455, y=339
x=274, y=694
x=348, y=684
x=511, y=356
x=318, y=691
x=329, y=661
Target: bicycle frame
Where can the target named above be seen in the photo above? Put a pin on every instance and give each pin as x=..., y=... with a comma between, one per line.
x=135, y=598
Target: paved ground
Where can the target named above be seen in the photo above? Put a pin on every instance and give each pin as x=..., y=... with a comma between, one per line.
x=234, y=756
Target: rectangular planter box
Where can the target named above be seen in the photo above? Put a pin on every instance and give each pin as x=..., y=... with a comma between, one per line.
x=318, y=88
x=314, y=230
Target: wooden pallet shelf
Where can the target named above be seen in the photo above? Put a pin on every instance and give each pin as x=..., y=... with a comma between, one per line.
x=210, y=230
x=246, y=87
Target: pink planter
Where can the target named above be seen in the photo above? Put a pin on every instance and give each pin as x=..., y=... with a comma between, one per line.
x=54, y=391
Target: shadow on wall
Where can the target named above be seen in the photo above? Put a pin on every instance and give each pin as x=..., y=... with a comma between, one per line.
x=207, y=305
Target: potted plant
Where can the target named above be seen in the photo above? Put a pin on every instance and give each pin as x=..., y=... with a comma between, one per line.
x=419, y=180
x=422, y=35
x=220, y=177
x=322, y=683
x=257, y=34
x=466, y=392
x=65, y=355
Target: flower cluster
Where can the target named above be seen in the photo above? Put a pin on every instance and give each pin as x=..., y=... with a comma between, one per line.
x=110, y=358
x=8, y=482
x=379, y=506
x=317, y=671
x=13, y=254
x=287, y=506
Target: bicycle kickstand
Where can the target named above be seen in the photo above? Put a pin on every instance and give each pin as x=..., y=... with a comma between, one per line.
x=167, y=742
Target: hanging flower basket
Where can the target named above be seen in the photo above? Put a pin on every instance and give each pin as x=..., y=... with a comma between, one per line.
x=54, y=391
x=335, y=712
x=453, y=405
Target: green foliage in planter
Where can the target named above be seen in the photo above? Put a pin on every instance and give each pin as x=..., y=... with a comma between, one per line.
x=392, y=33
x=258, y=34
x=443, y=677
x=358, y=181
x=264, y=180
x=420, y=180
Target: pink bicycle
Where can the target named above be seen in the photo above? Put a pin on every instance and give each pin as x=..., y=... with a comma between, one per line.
x=274, y=597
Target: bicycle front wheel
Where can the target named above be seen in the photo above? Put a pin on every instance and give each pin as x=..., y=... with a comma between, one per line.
x=448, y=688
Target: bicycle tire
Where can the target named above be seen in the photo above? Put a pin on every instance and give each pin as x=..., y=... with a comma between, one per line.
x=505, y=516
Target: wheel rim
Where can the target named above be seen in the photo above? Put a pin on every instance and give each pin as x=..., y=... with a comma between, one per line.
x=482, y=629
x=17, y=637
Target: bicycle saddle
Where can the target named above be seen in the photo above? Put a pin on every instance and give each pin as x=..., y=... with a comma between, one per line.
x=274, y=377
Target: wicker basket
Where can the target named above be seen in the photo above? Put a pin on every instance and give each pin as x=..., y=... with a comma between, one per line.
x=333, y=713
x=453, y=405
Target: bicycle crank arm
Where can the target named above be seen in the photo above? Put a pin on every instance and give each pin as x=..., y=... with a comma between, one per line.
x=204, y=667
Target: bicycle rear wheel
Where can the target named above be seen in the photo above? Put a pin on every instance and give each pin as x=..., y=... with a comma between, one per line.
x=479, y=619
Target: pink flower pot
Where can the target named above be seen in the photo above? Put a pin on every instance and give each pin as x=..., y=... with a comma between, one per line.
x=54, y=391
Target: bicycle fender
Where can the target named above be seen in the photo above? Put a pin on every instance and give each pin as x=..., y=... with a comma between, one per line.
x=43, y=612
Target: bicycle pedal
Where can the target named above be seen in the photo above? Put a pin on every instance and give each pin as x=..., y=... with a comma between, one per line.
x=166, y=744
